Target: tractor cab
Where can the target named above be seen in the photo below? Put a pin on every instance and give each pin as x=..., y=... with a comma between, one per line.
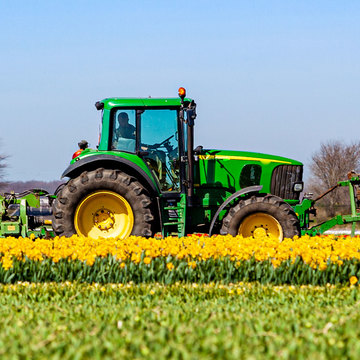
x=153, y=135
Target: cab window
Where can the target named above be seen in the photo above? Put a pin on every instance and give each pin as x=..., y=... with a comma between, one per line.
x=124, y=130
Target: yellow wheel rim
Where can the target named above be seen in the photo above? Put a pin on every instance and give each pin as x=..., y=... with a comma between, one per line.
x=104, y=214
x=260, y=225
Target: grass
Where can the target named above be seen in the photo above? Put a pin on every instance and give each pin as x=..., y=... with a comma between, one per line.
x=179, y=321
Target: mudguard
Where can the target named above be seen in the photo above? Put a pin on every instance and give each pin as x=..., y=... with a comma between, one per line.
x=107, y=161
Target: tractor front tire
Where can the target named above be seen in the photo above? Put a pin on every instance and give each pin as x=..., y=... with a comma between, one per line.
x=101, y=204
x=260, y=216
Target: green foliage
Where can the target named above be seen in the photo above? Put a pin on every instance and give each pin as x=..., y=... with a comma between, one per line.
x=108, y=270
x=180, y=321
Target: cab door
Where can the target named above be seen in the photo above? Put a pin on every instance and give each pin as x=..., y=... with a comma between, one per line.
x=159, y=144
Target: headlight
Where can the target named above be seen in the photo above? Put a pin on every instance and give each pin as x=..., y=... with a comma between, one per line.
x=298, y=187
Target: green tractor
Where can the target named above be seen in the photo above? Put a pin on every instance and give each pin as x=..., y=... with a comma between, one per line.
x=146, y=178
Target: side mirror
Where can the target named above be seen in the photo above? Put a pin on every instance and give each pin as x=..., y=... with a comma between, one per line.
x=99, y=105
x=83, y=144
x=191, y=113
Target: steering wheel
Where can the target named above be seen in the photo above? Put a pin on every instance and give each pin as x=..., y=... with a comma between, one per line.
x=155, y=146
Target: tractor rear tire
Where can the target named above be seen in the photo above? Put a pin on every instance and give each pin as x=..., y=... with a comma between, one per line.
x=101, y=204
x=261, y=216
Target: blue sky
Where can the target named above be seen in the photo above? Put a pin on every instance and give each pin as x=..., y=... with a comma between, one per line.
x=277, y=77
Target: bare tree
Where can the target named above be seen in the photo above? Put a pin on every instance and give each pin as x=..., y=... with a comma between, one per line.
x=330, y=164
x=2, y=167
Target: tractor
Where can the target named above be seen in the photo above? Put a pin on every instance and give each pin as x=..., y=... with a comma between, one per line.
x=145, y=177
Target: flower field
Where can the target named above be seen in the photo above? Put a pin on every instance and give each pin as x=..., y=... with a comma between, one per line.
x=180, y=298
x=303, y=260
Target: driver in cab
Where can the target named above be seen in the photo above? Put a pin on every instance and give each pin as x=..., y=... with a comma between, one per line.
x=125, y=130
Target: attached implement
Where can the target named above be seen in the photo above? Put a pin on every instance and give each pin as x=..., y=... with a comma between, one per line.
x=25, y=214
x=307, y=207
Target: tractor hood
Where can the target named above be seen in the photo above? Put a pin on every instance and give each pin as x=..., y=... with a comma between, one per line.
x=236, y=170
x=262, y=159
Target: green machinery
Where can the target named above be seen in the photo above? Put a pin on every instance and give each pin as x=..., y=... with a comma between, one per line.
x=146, y=177
x=307, y=208
x=26, y=214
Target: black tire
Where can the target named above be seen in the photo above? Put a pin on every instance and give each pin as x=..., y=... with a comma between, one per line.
x=268, y=206
x=93, y=182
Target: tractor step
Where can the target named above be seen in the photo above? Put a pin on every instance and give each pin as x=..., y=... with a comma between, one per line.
x=173, y=214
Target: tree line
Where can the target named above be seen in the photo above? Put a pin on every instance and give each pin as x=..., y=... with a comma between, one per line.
x=20, y=186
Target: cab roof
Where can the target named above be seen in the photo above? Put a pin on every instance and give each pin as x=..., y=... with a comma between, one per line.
x=109, y=103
